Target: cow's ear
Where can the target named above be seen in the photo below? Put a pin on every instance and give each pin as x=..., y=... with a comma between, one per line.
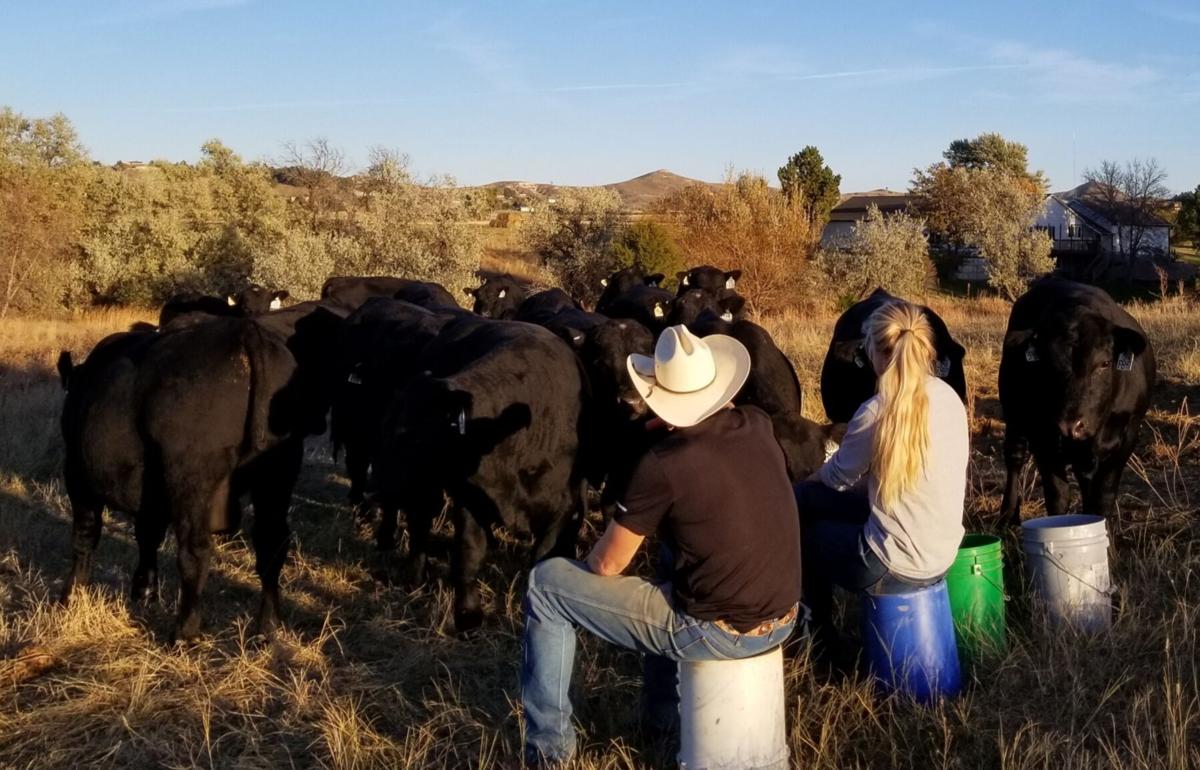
x=847, y=350
x=281, y=294
x=654, y=279
x=683, y=278
x=733, y=304
x=731, y=278
x=604, y=282
x=469, y=291
x=232, y=300
x=503, y=293
x=1018, y=337
x=1129, y=341
x=660, y=310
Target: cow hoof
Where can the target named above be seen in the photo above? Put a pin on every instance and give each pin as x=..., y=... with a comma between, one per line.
x=467, y=620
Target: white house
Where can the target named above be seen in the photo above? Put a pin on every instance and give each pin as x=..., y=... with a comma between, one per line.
x=852, y=209
x=1078, y=225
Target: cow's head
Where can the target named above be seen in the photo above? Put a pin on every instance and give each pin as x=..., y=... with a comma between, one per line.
x=256, y=300
x=708, y=278
x=1079, y=356
x=604, y=352
x=498, y=296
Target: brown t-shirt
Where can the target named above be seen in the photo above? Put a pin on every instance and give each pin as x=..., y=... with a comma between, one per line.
x=719, y=491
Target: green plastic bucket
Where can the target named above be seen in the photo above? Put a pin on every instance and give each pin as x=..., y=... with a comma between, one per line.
x=976, y=585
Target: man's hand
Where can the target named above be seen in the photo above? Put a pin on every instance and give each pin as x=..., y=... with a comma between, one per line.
x=614, y=550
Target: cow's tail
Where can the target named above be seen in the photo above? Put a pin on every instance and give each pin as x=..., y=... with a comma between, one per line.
x=65, y=368
x=258, y=412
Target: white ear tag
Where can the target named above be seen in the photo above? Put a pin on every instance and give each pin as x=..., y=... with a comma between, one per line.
x=1125, y=362
x=276, y=303
x=685, y=281
x=730, y=282
x=502, y=293
x=943, y=367
x=354, y=379
x=577, y=337
x=858, y=359
x=727, y=316
x=232, y=300
x=658, y=311
x=1031, y=354
x=462, y=422
x=604, y=282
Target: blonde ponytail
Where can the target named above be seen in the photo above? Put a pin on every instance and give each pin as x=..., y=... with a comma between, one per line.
x=901, y=340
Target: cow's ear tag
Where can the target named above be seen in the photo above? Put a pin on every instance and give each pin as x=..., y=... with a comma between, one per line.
x=1125, y=362
x=685, y=281
x=354, y=379
x=462, y=422
x=1031, y=354
x=730, y=283
x=858, y=359
x=232, y=300
x=943, y=367
x=727, y=316
x=658, y=311
x=276, y=303
x=503, y=292
x=604, y=282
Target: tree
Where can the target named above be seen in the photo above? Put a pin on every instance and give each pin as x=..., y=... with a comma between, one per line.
x=991, y=152
x=891, y=252
x=807, y=179
x=317, y=166
x=1129, y=196
x=574, y=238
x=744, y=224
x=1188, y=223
x=991, y=211
x=648, y=245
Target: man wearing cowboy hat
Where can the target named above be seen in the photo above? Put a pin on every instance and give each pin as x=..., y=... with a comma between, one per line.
x=717, y=489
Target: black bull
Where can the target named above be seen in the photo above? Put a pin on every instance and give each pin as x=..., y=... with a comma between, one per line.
x=172, y=426
x=1076, y=375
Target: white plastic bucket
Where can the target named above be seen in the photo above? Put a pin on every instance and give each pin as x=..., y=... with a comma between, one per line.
x=1066, y=558
x=731, y=714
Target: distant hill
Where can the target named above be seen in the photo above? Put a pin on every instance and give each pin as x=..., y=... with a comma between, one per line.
x=637, y=194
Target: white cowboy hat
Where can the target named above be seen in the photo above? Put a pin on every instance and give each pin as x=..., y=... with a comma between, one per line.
x=689, y=379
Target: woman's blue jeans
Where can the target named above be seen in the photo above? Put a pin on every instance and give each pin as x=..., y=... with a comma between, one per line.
x=631, y=612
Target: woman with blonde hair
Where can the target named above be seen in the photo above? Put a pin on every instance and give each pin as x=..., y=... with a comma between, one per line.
x=884, y=514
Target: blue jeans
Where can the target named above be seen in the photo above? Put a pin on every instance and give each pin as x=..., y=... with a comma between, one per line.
x=631, y=612
x=834, y=551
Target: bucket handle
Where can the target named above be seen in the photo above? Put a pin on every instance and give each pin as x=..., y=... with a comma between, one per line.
x=977, y=571
x=1110, y=592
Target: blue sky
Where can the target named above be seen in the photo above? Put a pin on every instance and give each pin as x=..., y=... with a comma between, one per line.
x=587, y=93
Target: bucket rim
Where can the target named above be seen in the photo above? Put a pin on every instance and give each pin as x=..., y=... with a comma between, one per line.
x=977, y=543
x=1062, y=521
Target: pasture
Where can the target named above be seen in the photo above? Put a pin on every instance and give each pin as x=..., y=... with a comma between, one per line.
x=370, y=674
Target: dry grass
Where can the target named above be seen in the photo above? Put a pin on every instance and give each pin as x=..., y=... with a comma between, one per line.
x=370, y=674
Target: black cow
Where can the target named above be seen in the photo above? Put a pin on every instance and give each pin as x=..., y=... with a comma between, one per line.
x=622, y=281
x=498, y=297
x=648, y=305
x=709, y=279
x=688, y=306
x=847, y=377
x=496, y=421
x=172, y=426
x=1075, y=380
x=351, y=292
x=381, y=344
x=544, y=304
x=774, y=387
x=251, y=301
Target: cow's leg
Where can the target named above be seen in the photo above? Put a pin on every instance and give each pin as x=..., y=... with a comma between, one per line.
x=1100, y=493
x=419, y=516
x=358, y=460
x=85, y=536
x=194, y=539
x=470, y=549
x=1054, y=481
x=272, y=494
x=1016, y=455
x=389, y=523
x=149, y=531
x=561, y=532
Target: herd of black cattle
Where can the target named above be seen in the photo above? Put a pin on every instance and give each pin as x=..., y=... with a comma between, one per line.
x=512, y=410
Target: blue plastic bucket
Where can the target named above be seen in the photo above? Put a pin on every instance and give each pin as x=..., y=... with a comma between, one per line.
x=910, y=643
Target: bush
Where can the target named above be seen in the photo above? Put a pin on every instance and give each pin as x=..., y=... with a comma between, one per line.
x=891, y=252
x=648, y=245
x=574, y=238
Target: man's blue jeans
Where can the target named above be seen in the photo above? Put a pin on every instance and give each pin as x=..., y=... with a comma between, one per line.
x=628, y=611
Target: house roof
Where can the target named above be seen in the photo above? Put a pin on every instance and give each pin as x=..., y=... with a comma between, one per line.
x=853, y=206
x=1089, y=201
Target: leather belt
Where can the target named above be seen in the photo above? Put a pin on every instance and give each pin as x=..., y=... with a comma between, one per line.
x=763, y=628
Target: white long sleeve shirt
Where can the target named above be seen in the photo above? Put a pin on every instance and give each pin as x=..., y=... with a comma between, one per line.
x=916, y=536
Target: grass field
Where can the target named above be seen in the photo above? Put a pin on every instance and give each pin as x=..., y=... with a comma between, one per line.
x=369, y=674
